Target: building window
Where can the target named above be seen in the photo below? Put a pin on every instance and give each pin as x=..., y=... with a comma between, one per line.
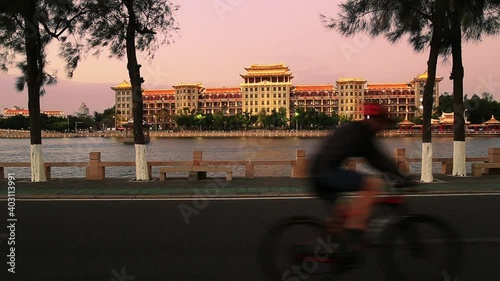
x=279, y=88
x=268, y=96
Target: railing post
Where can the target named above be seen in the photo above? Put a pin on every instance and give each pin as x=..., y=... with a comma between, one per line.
x=94, y=170
x=198, y=161
x=249, y=170
x=47, y=173
x=2, y=173
x=299, y=168
x=197, y=158
x=494, y=157
x=400, y=157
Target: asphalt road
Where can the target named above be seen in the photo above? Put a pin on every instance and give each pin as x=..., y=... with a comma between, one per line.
x=152, y=240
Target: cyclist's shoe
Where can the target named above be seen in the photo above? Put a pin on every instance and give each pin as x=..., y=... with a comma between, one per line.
x=350, y=254
x=348, y=261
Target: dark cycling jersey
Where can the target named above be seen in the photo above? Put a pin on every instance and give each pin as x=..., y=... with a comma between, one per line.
x=354, y=139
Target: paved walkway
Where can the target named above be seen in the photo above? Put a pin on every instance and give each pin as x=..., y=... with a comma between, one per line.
x=239, y=187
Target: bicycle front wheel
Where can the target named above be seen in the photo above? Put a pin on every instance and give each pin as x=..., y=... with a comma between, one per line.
x=421, y=247
x=298, y=249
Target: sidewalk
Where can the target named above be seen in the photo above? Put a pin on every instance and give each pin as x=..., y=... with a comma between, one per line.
x=68, y=188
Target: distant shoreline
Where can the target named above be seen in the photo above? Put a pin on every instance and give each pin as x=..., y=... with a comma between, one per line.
x=9, y=134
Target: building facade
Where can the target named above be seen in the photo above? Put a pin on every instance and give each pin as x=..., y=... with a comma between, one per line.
x=268, y=87
x=10, y=112
x=83, y=110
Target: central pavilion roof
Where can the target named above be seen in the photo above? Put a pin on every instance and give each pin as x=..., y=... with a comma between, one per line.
x=257, y=70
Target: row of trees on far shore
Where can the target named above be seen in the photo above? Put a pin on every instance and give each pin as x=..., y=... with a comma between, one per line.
x=96, y=122
x=303, y=119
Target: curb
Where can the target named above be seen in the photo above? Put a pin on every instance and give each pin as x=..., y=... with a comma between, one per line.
x=247, y=195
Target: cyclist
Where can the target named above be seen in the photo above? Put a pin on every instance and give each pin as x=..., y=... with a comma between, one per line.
x=355, y=139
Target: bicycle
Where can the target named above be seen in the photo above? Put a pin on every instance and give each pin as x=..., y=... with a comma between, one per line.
x=320, y=254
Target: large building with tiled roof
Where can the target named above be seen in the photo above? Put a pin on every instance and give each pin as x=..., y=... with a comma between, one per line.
x=10, y=112
x=268, y=87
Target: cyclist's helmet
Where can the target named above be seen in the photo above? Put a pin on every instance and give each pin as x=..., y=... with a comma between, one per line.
x=376, y=111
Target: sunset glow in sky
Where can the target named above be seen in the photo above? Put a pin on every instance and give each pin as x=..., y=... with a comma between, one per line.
x=218, y=38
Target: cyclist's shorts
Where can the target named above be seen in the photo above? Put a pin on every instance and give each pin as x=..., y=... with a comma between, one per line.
x=335, y=181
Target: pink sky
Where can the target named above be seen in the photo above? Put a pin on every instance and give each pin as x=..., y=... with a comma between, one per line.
x=217, y=39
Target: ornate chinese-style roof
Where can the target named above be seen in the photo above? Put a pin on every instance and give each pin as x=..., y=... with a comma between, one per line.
x=257, y=70
x=272, y=66
x=199, y=85
x=423, y=76
x=492, y=120
x=406, y=122
x=344, y=80
x=122, y=86
x=307, y=88
x=448, y=118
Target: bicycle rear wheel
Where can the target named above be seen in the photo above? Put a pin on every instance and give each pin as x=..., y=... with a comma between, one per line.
x=298, y=249
x=421, y=247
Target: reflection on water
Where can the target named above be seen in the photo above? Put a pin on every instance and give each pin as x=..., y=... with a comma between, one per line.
x=180, y=149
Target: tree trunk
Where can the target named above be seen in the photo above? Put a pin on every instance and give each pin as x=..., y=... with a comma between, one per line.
x=459, y=168
x=428, y=98
x=34, y=62
x=137, y=107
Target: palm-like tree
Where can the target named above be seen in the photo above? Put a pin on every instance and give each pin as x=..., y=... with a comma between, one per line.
x=469, y=20
x=27, y=27
x=136, y=25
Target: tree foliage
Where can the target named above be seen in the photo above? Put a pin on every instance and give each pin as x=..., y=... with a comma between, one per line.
x=106, y=27
x=481, y=108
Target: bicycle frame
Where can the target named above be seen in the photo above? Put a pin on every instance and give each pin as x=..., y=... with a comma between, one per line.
x=395, y=201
